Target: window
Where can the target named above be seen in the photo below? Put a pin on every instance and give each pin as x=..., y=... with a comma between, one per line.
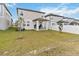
x=28, y=25
x=65, y=23
x=53, y=24
x=0, y=10
x=28, y=21
x=42, y=16
x=51, y=18
x=21, y=14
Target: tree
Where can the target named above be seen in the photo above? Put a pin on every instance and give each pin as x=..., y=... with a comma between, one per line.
x=20, y=23
x=60, y=23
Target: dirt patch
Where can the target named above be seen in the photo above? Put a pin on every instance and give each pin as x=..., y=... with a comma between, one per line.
x=20, y=38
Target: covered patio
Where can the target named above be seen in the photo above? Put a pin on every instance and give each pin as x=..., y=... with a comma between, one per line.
x=40, y=24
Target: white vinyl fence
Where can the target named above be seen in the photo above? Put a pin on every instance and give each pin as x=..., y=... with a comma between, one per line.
x=68, y=28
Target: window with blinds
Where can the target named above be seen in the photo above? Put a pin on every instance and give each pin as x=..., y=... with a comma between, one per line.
x=1, y=10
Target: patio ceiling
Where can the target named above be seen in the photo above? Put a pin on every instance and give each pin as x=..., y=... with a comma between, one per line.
x=40, y=19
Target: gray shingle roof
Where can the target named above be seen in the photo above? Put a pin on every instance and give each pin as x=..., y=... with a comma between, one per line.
x=52, y=15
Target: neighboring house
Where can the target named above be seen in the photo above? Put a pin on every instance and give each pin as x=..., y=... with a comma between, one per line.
x=53, y=19
x=67, y=20
x=30, y=17
x=70, y=21
x=5, y=17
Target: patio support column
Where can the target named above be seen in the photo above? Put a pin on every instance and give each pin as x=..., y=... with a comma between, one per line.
x=46, y=25
x=37, y=25
x=51, y=25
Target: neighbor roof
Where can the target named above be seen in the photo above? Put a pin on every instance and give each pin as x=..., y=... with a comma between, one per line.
x=61, y=16
x=52, y=15
x=71, y=18
x=6, y=8
x=30, y=10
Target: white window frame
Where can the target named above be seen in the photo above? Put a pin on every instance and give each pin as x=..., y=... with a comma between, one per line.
x=1, y=10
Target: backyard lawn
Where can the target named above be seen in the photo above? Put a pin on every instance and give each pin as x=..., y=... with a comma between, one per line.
x=49, y=42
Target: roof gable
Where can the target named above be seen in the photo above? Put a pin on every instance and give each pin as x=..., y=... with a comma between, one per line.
x=30, y=10
x=6, y=8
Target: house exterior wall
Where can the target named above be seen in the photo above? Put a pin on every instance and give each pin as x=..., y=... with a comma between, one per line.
x=28, y=17
x=5, y=18
x=3, y=25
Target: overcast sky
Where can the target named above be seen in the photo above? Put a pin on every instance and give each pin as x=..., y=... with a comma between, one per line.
x=65, y=9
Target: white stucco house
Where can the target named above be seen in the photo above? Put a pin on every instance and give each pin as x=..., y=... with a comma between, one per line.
x=33, y=19
x=5, y=17
x=37, y=20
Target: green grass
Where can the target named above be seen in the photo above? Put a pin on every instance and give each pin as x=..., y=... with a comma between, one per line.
x=13, y=42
